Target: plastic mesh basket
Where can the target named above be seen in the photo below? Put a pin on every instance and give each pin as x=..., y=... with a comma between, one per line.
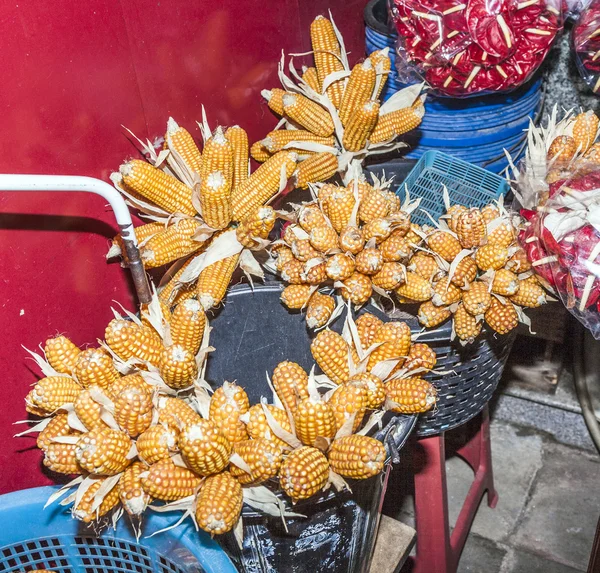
x=32, y=537
x=467, y=184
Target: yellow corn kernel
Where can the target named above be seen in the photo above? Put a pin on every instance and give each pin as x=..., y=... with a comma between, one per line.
x=367, y=325
x=410, y=395
x=327, y=52
x=308, y=114
x=309, y=75
x=339, y=206
x=529, y=294
x=238, y=138
x=415, y=288
x=292, y=271
x=382, y=64
x=350, y=399
x=142, y=234
x=262, y=184
x=129, y=340
x=156, y=443
x=88, y=410
x=357, y=288
x=374, y=386
x=58, y=426
x=214, y=280
x=324, y=239
x=331, y=352
x=95, y=367
x=374, y=205
x=61, y=354
x=390, y=276
x=420, y=356
x=317, y=167
x=83, y=508
x=276, y=140
x=103, y=451
x=60, y=458
x=158, y=187
x=501, y=317
x=178, y=367
x=257, y=225
x=173, y=243
x=133, y=411
x=319, y=310
x=369, y=261
x=128, y=381
x=465, y=325
x=395, y=123
x=358, y=90
x=303, y=473
x=176, y=414
x=258, y=427
x=351, y=239
x=357, y=457
x=395, y=339
x=186, y=326
x=132, y=496
x=585, y=129
x=219, y=504
x=360, y=125
x=477, y=299
x=445, y=293
x=290, y=381
x=314, y=420
x=471, y=228
x=274, y=99
x=259, y=152
x=168, y=482
x=52, y=392
x=296, y=297
x=262, y=456
x=204, y=448
x=430, y=315
x=227, y=404
x=311, y=216
x=180, y=141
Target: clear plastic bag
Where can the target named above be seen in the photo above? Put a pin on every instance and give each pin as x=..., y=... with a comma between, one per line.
x=585, y=41
x=470, y=48
x=562, y=240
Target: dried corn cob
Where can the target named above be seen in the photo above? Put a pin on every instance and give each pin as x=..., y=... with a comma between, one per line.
x=390, y=276
x=395, y=339
x=58, y=427
x=258, y=428
x=518, y=262
x=477, y=299
x=178, y=367
x=357, y=457
x=60, y=458
x=357, y=288
x=308, y=114
x=503, y=235
x=259, y=152
x=415, y=288
x=444, y=244
x=310, y=216
x=227, y=404
x=296, y=297
x=303, y=250
x=445, y=293
x=291, y=272
x=369, y=261
x=425, y=266
x=374, y=386
x=276, y=140
x=168, y=482
x=319, y=310
x=173, y=289
x=52, y=392
x=420, y=355
x=133, y=411
x=282, y=254
x=349, y=399
x=327, y=53
x=126, y=382
x=262, y=456
x=171, y=244
x=215, y=192
x=142, y=233
x=339, y=207
x=374, y=205
x=593, y=154
x=61, y=354
x=214, y=280
x=358, y=90
x=501, y=317
x=396, y=123
x=131, y=494
x=156, y=443
x=82, y=509
x=411, y=395
x=219, y=504
x=314, y=419
x=88, y=410
x=314, y=272
x=274, y=99
x=95, y=367
x=471, y=229
x=204, y=448
x=238, y=139
x=465, y=272
x=360, y=126
x=158, y=187
x=291, y=384
x=339, y=267
x=324, y=239
x=262, y=184
x=257, y=225
x=562, y=149
x=430, y=315
x=382, y=64
x=176, y=414
x=129, y=340
x=309, y=75
x=103, y=451
x=505, y=283
x=331, y=352
x=491, y=256
x=351, y=239
x=396, y=248
x=187, y=325
x=529, y=294
x=585, y=129
x=490, y=212
x=318, y=167
x=367, y=325
x=181, y=142
x=466, y=326
x=304, y=472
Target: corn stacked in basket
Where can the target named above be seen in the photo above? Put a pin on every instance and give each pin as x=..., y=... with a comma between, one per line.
x=133, y=417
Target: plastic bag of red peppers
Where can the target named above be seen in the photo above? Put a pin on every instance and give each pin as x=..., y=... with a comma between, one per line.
x=585, y=40
x=463, y=48
x=562, y=235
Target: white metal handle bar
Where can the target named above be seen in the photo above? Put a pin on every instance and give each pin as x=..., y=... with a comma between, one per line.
x=61, y=183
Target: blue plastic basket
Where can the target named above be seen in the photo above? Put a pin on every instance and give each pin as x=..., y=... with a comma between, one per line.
x=35, y=538
x=467, y=184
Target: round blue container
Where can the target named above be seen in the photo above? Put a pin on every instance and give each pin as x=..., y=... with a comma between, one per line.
x=476, y=129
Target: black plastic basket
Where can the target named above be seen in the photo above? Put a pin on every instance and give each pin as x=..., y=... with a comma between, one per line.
x=252, y=333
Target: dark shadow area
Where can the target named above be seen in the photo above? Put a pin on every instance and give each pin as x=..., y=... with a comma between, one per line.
x=30, y=222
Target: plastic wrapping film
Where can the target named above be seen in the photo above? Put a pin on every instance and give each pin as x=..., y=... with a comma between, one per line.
x=463, y=48
x=585, y=40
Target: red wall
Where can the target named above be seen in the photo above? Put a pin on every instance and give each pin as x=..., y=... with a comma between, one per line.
x=74, y=72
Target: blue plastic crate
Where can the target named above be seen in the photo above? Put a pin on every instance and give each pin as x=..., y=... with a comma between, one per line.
x=467, y=184
x=32, y=537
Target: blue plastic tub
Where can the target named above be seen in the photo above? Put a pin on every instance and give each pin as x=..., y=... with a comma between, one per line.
x=467, y=184
x=35, y=538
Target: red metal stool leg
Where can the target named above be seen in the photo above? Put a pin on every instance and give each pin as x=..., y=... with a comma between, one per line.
x=431, y=506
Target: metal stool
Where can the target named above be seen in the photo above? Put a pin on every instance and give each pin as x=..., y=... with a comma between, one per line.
x=438, y=551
